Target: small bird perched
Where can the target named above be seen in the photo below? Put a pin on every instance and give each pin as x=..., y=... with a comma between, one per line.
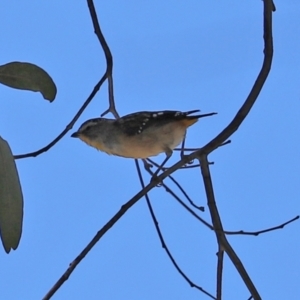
x=139, y=135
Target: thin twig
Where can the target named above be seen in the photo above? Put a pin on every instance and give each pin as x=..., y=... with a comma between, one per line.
x=195, y=149
x=256, y=233
x=186, y=166
x=146, y=166
x=109, y=60
x=201, y=208
x=69, y=126
x=220, y=256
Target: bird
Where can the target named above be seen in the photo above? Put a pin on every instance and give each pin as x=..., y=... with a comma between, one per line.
x=139, y=135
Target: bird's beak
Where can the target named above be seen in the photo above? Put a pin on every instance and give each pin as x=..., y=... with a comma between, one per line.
x=75, y=135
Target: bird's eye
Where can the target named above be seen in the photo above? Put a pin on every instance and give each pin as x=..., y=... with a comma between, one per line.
x=87, y=128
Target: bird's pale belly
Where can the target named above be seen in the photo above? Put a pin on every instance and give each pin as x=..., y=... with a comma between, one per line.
x=147, y=146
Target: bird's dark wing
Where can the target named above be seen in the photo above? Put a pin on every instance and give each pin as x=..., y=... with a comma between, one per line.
x=137, y=122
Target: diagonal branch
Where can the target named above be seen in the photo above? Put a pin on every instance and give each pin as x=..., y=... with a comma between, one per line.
x=69, y=126
x=96, y=238
x=257, y=87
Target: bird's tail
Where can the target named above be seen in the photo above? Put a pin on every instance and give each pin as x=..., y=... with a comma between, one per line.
x=190, y=120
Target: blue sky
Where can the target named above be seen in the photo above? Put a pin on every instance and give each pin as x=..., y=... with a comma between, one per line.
x=182, y=56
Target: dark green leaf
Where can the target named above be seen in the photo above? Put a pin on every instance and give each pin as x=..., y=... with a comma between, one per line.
x=11, y=199
x=26, y=76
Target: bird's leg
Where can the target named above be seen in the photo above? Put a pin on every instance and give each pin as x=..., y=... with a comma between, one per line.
x=182, y=148
x=147, y=165
x=182, y=155
x=168, y=155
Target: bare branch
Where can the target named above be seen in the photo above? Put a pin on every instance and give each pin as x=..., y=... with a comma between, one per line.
x=227, y=232
x=217, y=224
x=195, y=149
x=69, y=126
x=185, y=194
x=96, y=238
x=106, y=75
x=256, y=89
x=256, y=233
x=220, y=256
x=177, y=184
x=109, y=60
x=164, y=245
x=224, y=135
